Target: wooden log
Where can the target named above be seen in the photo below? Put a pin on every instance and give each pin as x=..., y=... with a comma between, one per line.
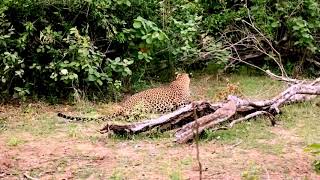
x=180, y=116
x=234, y=110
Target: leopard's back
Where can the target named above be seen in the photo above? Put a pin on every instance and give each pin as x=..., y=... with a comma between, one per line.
x=162, y=99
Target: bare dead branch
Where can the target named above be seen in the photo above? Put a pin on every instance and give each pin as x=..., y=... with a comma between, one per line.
x=285, y=79
x=249, y=116
x=205, y=115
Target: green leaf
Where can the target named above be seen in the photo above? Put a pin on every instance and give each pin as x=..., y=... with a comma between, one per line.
x=64, y=71
x=161, y=37
x=128, y=3
x=137, y=24
x=140, y=56
x=128, y=71
x=117, y=59
x=91, y=78
x=275, y=24
x=149, y=41
x=99, y=82
x=155, y=35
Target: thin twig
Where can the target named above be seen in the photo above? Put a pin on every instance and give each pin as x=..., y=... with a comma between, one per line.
x=29, y=177
x=236, y=144
x=249, y=116
x=196, y=127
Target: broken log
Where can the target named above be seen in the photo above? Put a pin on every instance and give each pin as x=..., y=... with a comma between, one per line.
x=234, y=110
x=182, y=115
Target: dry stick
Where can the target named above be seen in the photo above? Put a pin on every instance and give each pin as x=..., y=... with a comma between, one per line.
x=249, y=116
x=285, y=79
x=29, y=177
x=197, y=140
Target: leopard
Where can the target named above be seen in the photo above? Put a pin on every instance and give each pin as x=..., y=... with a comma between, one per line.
x=163, y=99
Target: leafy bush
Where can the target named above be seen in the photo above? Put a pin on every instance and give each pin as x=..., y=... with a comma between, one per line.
x=292, y=27
x=51, y=47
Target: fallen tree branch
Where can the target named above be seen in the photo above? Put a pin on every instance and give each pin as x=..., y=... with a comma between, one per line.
x=179, y=116
x=233, y=111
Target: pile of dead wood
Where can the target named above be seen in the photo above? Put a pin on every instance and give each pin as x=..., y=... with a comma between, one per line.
x=201, y=115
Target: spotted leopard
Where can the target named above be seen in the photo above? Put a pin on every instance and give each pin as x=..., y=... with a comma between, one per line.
x=156, y=100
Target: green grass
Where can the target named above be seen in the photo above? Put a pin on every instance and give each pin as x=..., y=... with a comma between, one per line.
x=254, y=134
x=303, y=119
x=175, y=175
x=252, y=172
x=14, y=141
x=152, y=135
x=117, y=175
x=44, y=125
x=89, y=171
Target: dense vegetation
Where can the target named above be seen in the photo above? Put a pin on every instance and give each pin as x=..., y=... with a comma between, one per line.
x=56, y=47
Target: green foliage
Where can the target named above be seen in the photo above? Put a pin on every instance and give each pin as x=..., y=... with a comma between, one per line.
x=51, y=47
x=14, y=141
x=314, y=149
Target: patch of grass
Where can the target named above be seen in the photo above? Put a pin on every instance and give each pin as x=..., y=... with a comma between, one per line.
x=252, y=172
x=73, y=131
x=150, y=135
x=117, y=175
x=27, y=108
x=85, y=107
x=187, y=161
x=61, y=164
x=253, y=87
x=257, y=87
x=254, y=134
x=43, y=125
x=275, y=149
x=303, y=119
x=175, y=175
x=35, y=172
x=256, y=129
x=89, y=171
x=14, y=141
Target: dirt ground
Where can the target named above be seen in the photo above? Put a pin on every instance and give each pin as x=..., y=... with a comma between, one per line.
x=34, y=143
x=59, y=158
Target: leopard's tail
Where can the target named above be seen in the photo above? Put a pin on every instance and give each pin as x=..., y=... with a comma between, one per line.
x=102, y=118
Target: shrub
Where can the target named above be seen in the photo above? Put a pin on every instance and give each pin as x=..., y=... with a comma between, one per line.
x=51, y=47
